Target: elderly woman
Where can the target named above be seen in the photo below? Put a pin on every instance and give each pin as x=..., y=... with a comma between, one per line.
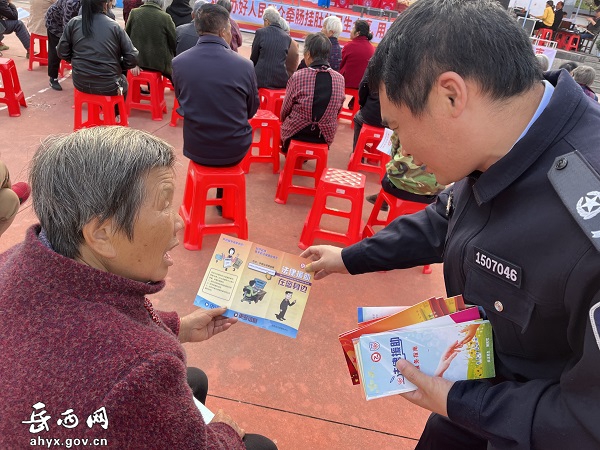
x=332, y=27
x=291, y=62
x=152, y=31
x=356, y=54
x=585, y=76
x=81, y=342
x=313, y=97
x=269, y=52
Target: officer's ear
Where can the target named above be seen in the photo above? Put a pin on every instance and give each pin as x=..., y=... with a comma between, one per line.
x=450, y=89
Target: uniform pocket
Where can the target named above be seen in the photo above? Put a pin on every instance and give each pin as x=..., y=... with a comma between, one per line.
x=509, y=309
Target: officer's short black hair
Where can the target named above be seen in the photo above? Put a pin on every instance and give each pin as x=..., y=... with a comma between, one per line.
x=211, y=18
x=288, y=292
x=252, y=282
x=435, y=36
x=318, y=45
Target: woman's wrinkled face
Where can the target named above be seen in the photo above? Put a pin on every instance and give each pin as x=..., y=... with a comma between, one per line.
x=145, y=257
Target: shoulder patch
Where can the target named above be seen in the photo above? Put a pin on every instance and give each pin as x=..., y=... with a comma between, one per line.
x=595, y=320
x=578, y=185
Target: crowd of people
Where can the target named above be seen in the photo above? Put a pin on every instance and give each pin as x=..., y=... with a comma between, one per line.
x=482, y=145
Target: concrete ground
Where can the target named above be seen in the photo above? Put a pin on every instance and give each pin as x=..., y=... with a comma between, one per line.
x=296, y=391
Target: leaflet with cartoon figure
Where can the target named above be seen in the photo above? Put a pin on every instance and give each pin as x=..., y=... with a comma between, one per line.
x=260, y=286
x=461, y=351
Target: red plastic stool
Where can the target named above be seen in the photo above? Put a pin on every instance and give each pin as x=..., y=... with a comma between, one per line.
x=155, y=101
x=167, y=84
x=97, y=105
x=269, y=143
x=42, y=56
x=544, y=33
x=193, y=210
x=347, y=113
x=271, y=100
x=11, y=87
x=297, y=153
x=366, y=150
x=397, y=207
x=571, y=43
x=342, y=184
x=64, y=66
x=174, y=114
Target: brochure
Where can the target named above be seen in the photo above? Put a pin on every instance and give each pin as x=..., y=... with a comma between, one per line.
x=456, y=352
x=259, y=285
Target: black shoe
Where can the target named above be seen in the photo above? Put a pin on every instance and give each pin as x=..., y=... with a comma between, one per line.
x=27, y=54
x=220, y=210
x=373, y=198
x=54, y=84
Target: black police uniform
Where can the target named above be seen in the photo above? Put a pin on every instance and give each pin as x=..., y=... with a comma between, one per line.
x=511, y=243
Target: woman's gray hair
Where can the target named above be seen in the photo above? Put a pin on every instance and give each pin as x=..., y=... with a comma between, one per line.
x=271, y=14
x=333, y=23
x=543, y=61
x=584, y=75
x=95, y=173
x=284, y=25
x=160, y=3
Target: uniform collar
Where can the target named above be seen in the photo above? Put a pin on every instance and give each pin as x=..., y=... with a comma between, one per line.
x=548, y=128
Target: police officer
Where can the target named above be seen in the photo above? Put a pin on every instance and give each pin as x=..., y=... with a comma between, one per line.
x=518, y=232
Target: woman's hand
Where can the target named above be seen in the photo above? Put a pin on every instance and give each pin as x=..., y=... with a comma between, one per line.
x=203, y=324
x=135, y=71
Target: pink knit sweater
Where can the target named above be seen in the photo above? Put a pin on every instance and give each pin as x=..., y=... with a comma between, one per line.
x=75, y=338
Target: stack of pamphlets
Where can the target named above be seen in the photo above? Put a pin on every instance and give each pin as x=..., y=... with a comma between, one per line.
x=440, y=336
x=259, y=285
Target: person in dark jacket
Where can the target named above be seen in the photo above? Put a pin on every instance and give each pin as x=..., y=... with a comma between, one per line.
x=269, y=52
x=99, y=51
x=187, y=35
x=217, y=99
x=180, y=11
x=522, y=151
x=10, y=23
x=152, y=31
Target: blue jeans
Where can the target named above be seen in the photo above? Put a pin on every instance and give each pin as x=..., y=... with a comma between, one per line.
x=16, y=26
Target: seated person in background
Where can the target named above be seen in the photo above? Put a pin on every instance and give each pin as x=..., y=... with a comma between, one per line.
x=291, y=62
x=11, y=197
x=585, y=76
x=57, y=18
x=593, y=28
x=236, y=34
x=407, y=181
x=10, y=23
x=332, y=27
x=370, y=109
x=217, y=99
x=269, y=52
x=547, y=19
x=558, y=16
x=152, y=31
x=179, y=11
x=128, y=5
x=99, y=51
x=356, y=54
x=109, y=225
x=543, y=61
x=313, y=98
x=187, y=35
x=37, y=16
x=569, y=66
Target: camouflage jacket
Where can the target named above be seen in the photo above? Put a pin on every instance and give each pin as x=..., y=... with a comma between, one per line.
x=405, y=175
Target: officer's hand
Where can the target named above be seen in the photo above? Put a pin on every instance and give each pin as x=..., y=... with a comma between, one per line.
x=432, y=392
x=327, y=259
